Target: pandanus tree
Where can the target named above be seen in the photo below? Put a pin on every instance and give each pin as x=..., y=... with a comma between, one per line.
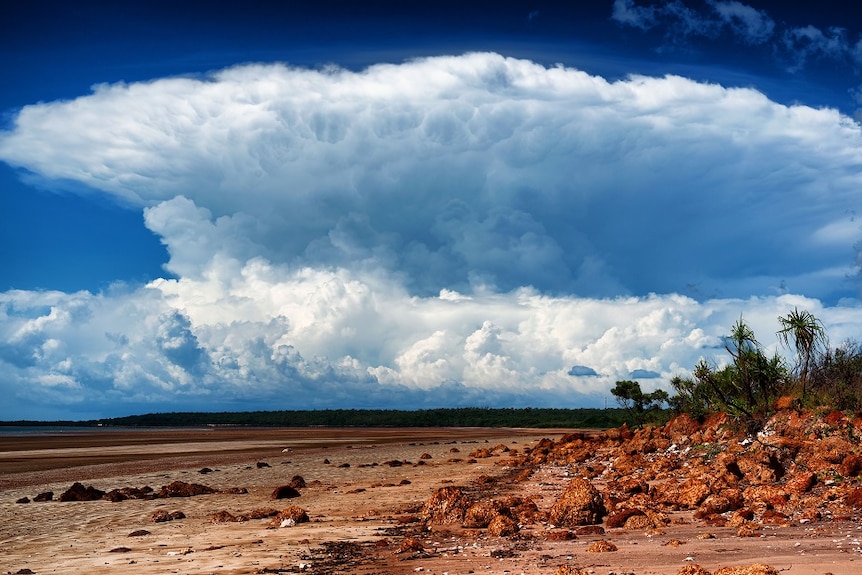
x=804, y=333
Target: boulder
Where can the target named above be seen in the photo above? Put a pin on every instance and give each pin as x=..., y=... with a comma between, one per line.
x=446, y=505
x=579, y=504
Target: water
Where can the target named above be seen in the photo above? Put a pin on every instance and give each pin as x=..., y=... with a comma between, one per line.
x=22, y=430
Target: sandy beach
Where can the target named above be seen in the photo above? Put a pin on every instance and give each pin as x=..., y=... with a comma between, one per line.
x=362, y=491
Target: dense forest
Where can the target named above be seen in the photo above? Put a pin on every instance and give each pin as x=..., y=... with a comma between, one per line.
x=454, y=417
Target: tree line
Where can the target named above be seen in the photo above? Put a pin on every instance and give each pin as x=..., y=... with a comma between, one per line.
x=442, y=417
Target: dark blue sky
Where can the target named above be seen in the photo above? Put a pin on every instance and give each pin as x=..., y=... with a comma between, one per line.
x=415, y=203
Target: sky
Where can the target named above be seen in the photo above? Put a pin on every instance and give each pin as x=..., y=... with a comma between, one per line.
x=414, y=205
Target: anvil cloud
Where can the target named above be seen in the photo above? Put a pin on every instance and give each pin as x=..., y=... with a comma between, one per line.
x=469, y=229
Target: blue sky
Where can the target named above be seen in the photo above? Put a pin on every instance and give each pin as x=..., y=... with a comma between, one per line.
x=409, y=204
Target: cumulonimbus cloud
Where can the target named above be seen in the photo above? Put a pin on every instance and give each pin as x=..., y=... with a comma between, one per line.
x=450, y=230
x=478, y=170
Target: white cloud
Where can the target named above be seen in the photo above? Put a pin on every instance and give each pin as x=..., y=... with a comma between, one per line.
x=626, y=12
x=450, y=231
x=461, y=172
x=752, y=25
x=797, y=46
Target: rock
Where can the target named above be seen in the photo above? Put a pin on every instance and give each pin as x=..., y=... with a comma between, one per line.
x=77, y=492
x=297, y=482
x=262, y=464
x=502, y=526
x=284, y=492
x=601, y=547
x=692, y=492
x=619, y=518
x=638, y=522
x=23, y=500
x=854, y=498
x=851, y=466
x=446, y=505
x=693, y=569
x=755, y=569
x=480, y=514
x=162, y=516
x=569, y=570
x=289, y=517
x=800, y=482
x=410, y=544
x=263, y=513
x=579, y=504
x=226, y=517
x=139, y=533
x=47, y=496
x=183, y=489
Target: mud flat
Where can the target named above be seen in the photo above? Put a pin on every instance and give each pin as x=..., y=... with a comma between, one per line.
x=365, y=501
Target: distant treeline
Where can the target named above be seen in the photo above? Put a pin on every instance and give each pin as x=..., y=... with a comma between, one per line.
x=444, y=417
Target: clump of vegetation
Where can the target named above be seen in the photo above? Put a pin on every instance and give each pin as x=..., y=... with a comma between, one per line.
x=749, y=387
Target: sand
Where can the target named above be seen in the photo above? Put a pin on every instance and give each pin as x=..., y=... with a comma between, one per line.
x=363, y=490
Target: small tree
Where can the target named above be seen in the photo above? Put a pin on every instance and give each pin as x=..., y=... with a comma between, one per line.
x=808, y=337
x=638, y=404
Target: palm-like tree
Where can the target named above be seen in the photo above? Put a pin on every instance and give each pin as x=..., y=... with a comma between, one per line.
x=808, y=336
